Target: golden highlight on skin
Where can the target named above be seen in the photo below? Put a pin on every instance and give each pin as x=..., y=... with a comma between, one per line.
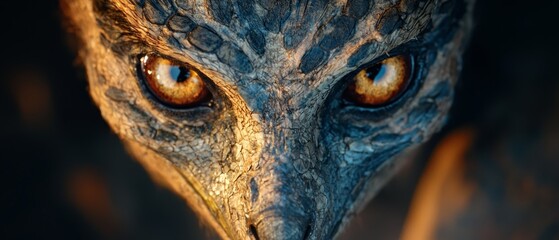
x=381, y=83
x=173, y=83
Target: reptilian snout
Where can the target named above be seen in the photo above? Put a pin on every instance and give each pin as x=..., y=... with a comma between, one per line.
x=283, y=183
x=279, y=211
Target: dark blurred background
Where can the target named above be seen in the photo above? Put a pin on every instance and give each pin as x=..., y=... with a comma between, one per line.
x=65, y=175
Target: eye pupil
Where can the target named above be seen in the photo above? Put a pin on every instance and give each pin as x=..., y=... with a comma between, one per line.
x=180, y=73
x=375, y=72
x=379, y=73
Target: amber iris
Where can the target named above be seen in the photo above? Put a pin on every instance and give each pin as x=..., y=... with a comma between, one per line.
x=381, y=83
x=173, y=83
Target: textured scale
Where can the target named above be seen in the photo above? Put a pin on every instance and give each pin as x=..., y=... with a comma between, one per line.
x=277, y=155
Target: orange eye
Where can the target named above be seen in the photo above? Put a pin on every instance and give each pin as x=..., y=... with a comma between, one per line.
x=173, y=83
x=381, y=83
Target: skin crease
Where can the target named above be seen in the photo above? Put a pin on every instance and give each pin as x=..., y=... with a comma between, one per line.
x=278, y=154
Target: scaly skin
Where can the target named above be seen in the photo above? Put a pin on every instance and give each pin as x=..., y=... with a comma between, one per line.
x=277, y=155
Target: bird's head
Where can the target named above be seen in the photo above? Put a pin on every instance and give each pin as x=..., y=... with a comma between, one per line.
x=273, y=119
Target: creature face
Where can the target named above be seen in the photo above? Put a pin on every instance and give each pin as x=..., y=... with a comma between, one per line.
x=273, y=119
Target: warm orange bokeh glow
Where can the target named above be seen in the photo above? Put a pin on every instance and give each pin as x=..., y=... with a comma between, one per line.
x=443, y=190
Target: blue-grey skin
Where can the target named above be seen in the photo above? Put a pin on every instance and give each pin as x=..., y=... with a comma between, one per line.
x=277, y=154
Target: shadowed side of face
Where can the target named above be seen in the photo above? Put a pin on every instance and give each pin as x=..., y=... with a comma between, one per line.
x=273, y=119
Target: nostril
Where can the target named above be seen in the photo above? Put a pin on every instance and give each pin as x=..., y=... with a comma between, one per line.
x=254, y=232
x=287, y=228
x=307, y=232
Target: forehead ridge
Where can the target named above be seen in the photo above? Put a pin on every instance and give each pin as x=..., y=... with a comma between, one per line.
x=297, y=40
